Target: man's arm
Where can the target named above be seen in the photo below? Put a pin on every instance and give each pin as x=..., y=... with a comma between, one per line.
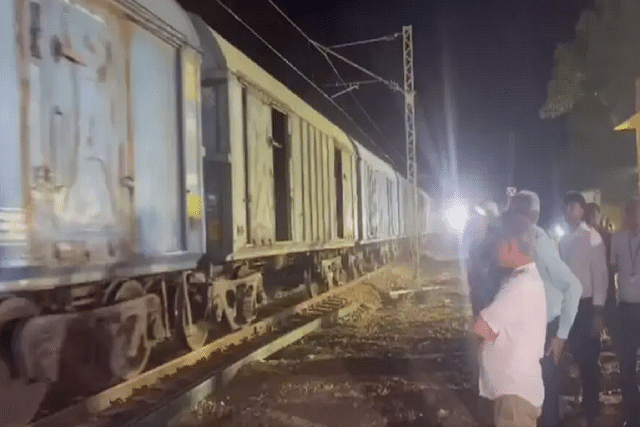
x=498, y=313
x=482, y=328
x=563, y=279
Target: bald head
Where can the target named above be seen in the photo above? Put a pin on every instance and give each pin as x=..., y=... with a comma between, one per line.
x=526, y=203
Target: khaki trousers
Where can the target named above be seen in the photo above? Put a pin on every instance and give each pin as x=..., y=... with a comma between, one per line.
x=514, y=411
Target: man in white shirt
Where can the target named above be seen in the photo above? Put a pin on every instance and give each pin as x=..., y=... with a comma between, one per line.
x=483, y=283
x=513, y=327
x=625, y=260
x=563, y=291
x=583, y=250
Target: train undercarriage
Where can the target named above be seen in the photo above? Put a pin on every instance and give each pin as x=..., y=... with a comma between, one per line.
x=88, y=337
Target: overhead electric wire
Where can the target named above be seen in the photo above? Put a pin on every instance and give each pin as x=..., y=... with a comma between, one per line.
x=356, y=83
x=377, y=39
x=307, y=79
x=364, y=111
x=323, y=50
x=390, y=84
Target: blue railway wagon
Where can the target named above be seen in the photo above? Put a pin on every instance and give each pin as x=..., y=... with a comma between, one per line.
x=100, y=110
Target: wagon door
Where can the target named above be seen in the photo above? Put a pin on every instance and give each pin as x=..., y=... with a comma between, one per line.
x=158, y=195
x=74, y=143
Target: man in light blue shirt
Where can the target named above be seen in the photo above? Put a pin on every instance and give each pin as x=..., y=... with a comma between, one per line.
x=563, y=291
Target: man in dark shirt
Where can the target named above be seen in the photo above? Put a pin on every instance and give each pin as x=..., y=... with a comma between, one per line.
x=477, y=251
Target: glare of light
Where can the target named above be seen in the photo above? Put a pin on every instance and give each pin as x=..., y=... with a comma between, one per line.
x=559, y=230
x=456, y=216
x=480, y=211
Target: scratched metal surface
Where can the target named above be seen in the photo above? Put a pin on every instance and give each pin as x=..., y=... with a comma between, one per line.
x=95, y=134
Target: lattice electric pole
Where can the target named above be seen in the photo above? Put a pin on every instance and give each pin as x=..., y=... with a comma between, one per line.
x=409, y=117
x=410, y=135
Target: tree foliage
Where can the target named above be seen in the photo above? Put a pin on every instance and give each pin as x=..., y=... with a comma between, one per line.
x=564, y=89
x=593, y=88
x=601, y=63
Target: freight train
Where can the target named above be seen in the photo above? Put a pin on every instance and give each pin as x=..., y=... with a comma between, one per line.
x=154, y=181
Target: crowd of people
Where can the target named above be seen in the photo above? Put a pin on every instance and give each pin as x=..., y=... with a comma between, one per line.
x=533, y=302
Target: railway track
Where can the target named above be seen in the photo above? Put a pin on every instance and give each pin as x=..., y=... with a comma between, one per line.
x=156, y=397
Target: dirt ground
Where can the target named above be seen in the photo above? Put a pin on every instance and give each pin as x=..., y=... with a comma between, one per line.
x=401, y=362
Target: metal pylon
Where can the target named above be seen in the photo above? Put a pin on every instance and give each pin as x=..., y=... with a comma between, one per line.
x=410, y=134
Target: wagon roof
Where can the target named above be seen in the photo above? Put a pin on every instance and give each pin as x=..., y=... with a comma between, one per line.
x=375, y=161
x=222, y=56
x=172, y=14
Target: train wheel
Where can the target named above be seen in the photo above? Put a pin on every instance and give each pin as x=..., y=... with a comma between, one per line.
x=19, y=399
x=195, y=335
x=130, y=347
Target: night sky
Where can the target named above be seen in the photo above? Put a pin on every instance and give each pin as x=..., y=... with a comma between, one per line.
x=496, y=55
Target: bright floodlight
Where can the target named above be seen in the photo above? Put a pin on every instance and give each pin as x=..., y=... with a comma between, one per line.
x=457, y=216
x=559, y=230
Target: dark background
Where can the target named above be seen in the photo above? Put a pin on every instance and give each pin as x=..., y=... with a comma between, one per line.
x=495, y=55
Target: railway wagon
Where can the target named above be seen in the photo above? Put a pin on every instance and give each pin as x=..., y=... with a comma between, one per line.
x=280, y=193
x=378, y=210
x=409, y=227
x=100, y=187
